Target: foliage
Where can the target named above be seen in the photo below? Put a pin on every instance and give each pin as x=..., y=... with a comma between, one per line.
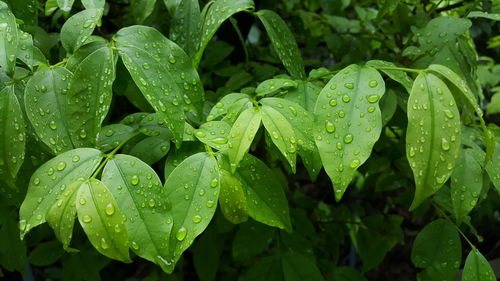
x=331, y=134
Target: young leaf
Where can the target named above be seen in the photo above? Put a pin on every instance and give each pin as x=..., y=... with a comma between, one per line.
x=283, y=42
x=78, y=28
x=477, y=268
x=348, y=122
x=273, y=85
x=8, y=39
x=242, y=134
x=466, y=183
x=230, y=105
x=185, y=26
x=214, y=134
x=193, y=189
x=232, y=199
x=297, y=267
x=90, y=96
x=140, y=195
x=102, y=220
x=46, y=104
x=112, y=135
x=142, y=9
x=217, y=13
x=49, y=181
x=438, y=250
x=151, y=149
x=13, y=136
x=433, y=135
x=281, y=132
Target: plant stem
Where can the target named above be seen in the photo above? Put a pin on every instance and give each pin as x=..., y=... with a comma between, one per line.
x=441, y=212
x=59, y=63
x=111, y=154
x=418, y=71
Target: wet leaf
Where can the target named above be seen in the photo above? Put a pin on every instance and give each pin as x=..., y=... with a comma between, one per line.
x=477, y=268
x=83, y=52
x=232, y=199
x=25, y=10
x=65, y=5
x=397, y=75
x=142, y=9
x=91, y=4
x=304, y=95
x=176, y=156
x=271, y=86
x=493, y=167
x=8, y=39
x=152, y=125
x=112, y=135
x=214, y=134
x=230, y=107
x=151, y=149
x=242, y=134
x=78, y=28
x=28, y=53
x=185, y=26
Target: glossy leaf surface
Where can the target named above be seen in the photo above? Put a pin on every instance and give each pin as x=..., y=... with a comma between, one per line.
x=477, y=268
x=242, y=134
x=78, y=28
x=214, y=134
x=466, y=183
x=8, y=39
x=232, y=198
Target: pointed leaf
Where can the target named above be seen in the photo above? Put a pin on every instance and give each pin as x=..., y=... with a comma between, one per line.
x=112, y=135
x=78, y=28
x=242, y=134
x=151, y=149
x=433, y=135
x=477, y=268
x=83, y=52
x=142, y=9
x=185, y=26
x=8, y=39
x=397, y=75
x=230, y=105
x=348, y=122
x=214, y=134
x=232, y=199
x=297, y=267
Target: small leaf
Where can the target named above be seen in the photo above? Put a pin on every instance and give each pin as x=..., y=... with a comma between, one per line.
x=46, y=182
x=112, y=135
x=397, y=75
x=242, y=134
x=8, y=39
x=232, y=199
x=297, y=267
x=28, y=53
x=230, y=105
x=185, y=25
x=477, y=268
x=102, y=220
x=214, y=134
x=142, y=9
x=273, y=85
x=433, y=135
x=78, y=28
x=493, y=167
x=283, y=42
x=65, y=5
x=151, y=149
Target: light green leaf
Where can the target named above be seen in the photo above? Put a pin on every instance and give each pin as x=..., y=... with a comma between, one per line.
x=13, y=136
x=50, y=7
x=493, y=167
x=214, y=134
x=242, y=134
x=28, y=53
x=61, y=216
x=92, y=4
x=151, y=149
x=484, y=15
x=65, y=5
x=90, y=96
x=397, y=75
x=297, y=267
x=281, y=133
x=193, y=188
x=477, y=268
x=185, y=26
x=140, y=195
x=78, y=28
x=112, y=135
x=348, y=122
x=142, y=9
x=274, y=85
x=230, y=105
x=433, y=135
x=283, y=42
x=217, y=13
x=493, y=106
x=8, y=39
x=46, y=104
x=102, y=220
x=466, y=183
x=25, y=10
x=49, y=181
x=232, y=199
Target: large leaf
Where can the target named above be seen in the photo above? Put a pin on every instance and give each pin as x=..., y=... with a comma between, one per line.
x=140, y=195
x=185, y=26
x=477, y=268
x=283, y=42
x=102, y=220
x=348, y=122
x=13, y=136
x=433, y=135
x=78, y=28
x=8, y=39
x=242, y=134
x=49, y=181
x=193, y=188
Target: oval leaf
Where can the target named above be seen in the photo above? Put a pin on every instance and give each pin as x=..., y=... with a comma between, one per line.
x=214, y=134
x=477, y=268
x=78, y=28
x=242, y=134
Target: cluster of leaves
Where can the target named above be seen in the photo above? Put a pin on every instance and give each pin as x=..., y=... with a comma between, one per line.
x=140, y=136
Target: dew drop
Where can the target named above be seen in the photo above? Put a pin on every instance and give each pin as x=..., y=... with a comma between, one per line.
x=348, y=138
x=196, y=219
x=373, y=84
x=110, y=209
x=87, y=219
x=330, y=128
x=61, y=166
x=181, y=233
x=134, y=180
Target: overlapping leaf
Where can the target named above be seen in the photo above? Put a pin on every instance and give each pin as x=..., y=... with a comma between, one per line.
x=78, y=28
x=232, y=198
x=185, y=29
x=214, y=133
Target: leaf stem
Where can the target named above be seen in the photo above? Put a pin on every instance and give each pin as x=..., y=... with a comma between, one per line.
x=442, y=213
x=418, y=71
x=111, y=154
x=59, y=63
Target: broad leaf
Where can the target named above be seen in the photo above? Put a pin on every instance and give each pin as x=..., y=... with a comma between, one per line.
x=78, y=28
x=193, y=188
x=140, y=195
x=102, y=220
x=297, y=267
x=152, y=125
x=477, y=268
x=150, y=150
x=346, y=273
x=185, y=26
x=242, y=134
x=232, y=199
x=8, y=39
x=348, y=122
x=50, y=180
x=283, y=42
x=112, y=135
x=433, y=135
x=214, y=134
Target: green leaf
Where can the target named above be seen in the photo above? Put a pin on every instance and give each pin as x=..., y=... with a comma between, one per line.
x=214, y=134
x=65, y=5
x=48, y=180
x=397, y=75
x=388, y=105
x=152, y=125
x=345, y=273
x=283, y=42
x=274, y=85
x=28, y=53
x=438, y=250
x=230, y=105
x=242, y=134
x=207, y=255
x=266, y=269
x=348, y=122
x=281, y=133
x=493, y=167
x=13, y=137
x=61, y=215
x=142, y=9
x=46, y=104
x=112, y=135
x=102, y=220
x=297, y=267
x=13, y=250
x=251, y=239
x=90, y=96
x=83, y=52
x=466, y=183
x=176, y=156
x=151, y=150
x=8, y=39
x=140, y=196
x=50, y=7
x=193, y=188
x=232, y=199
x=484, y=15
x=46, y=253
x=25, y=10
x=433, y=135
x=92, y=4
x=304, y=95
x=78, y=28
x=477, y=267
x=185, y=26
x=217, y=13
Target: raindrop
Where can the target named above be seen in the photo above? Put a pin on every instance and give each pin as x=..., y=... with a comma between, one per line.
x=61, y=166
x=110, y=209
x=181, y=233
x=104, y=244
x=86, y=218
x=373, y=84
x=134, y=180
x=349, y=85
x=372, y=98
x=348, y=138
x=330, y=128
x=196, y=219
x=445, y=145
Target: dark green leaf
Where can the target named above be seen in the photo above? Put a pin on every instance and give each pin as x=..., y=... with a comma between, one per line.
x=251, y=239
x=230, y=105
x=477, y=268
x=142, y=9
x=8, y=39
x=266, y=269
x=46, y=253
x=28, y=53
x=345, y=273
x=300, y=268
x=112, y=135
x=25, y=10
x=78, y=28
x=185, y=26
x=150, y=150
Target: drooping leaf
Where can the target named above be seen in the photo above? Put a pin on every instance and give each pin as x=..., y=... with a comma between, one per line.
x=13, y=136
x=142, y=9
x=8, y=39
x=78, y=28
x=48, y=180
x=151, y=149
x=242, y=134
x=102, y=220
x=433, y=135
x=297, y=267
x=437, y=249
x=112, y=135
x=185, y=26
x=232, y=199
x=283, y=42
x=193, y=188
x=251, y=239
x=141, y=197
x=477, y=267
x=348, y=122
x=214, y=134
